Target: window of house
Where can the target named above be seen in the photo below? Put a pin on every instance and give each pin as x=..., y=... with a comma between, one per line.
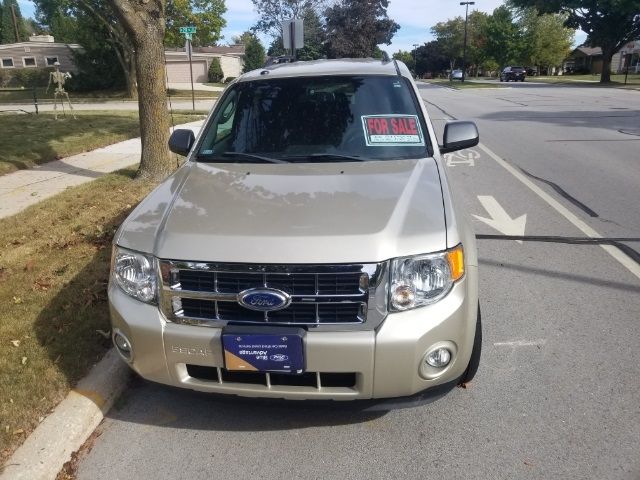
x=51, y=61
x=29, y=61
x=7, y=63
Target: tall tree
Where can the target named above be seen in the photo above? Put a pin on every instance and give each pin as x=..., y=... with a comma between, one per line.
x=205, y=15
x=253, y=52
x=609, y=24
x=450, y=34
x=431, y=59
x=8, y=28
x=503, y=38
x=144, y=22
x=271, y=13
x=546, y=41
x=356, y=27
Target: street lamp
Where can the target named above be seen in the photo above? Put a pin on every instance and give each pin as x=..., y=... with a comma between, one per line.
x=415, y=70
x=464, y=48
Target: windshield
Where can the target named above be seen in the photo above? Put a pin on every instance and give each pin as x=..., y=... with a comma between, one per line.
x=334, y=118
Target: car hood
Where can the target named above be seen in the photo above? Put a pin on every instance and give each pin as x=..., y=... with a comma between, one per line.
x=292, y=213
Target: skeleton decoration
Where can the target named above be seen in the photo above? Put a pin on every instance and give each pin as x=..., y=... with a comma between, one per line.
x=58, y=79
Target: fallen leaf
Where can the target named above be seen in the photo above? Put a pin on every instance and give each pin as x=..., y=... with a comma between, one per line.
x=17, y=300
x=11, y=400
x=18, y=431
x=29, y=266
x=24, y=360
x=34, y=194
x=528, y=463
x=6, y=429
x=15, y=343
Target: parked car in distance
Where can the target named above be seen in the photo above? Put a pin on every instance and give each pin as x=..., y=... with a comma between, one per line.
x=455, y=75
x=311, y=246
x=513, y=73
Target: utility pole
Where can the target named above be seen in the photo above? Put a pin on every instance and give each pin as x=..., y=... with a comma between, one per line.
x=15, y=23
x=415, y=69
x=464, y=48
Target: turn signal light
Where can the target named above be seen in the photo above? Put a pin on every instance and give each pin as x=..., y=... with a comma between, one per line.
x=455, y=257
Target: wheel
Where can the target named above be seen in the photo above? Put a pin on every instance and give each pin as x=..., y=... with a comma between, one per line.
x=474, y=361
x=501, y=79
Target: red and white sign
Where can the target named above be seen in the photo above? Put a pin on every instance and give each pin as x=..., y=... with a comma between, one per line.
x=387, y=130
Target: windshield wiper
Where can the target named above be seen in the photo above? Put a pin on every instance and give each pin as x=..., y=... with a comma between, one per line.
x=328, y=156
x=251, y=156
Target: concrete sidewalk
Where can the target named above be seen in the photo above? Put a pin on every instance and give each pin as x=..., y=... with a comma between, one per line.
x=23, y=188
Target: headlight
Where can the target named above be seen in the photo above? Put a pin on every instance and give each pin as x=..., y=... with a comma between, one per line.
x=424, y=279
x=135, y=274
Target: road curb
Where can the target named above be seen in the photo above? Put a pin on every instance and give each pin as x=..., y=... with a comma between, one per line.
x=51, y=444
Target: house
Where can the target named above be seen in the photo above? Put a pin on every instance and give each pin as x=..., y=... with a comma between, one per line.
x=584, y=60
x=628, y=56
x=589, y=59
x=177, y=63
x=39, y=52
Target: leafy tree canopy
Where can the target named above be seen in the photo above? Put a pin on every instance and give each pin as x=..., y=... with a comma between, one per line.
x=7, y=28
x=356, y=27
x=205, y=15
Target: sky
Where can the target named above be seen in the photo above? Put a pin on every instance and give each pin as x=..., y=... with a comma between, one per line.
x=416, y=17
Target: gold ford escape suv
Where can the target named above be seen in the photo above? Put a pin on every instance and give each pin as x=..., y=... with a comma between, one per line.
x=309, y=248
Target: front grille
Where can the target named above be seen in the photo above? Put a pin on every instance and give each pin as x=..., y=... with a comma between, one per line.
x=295, y=313
x=207, y=294
x=307, y=379
x=293, y=284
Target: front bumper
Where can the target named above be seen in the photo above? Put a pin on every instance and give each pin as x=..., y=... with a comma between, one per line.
x=385, y=361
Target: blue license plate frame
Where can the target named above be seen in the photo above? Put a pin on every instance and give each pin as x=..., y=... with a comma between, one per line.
x=267, y=349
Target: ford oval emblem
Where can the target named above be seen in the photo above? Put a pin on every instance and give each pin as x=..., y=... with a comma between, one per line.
x=264, y=299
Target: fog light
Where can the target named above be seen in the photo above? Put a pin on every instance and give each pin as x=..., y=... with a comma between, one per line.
x=123, y=345
x=439, y=358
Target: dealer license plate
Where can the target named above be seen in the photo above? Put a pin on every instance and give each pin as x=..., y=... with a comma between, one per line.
x=272, y=350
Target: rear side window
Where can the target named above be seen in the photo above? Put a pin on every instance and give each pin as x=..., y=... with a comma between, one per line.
x=373, y=117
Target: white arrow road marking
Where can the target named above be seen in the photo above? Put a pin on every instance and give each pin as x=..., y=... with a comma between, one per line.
x=500, y=219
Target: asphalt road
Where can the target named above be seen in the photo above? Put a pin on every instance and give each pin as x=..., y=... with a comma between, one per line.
x=557, y=394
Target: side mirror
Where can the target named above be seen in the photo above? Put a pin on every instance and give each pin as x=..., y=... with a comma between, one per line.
x=459, y=135
x=181, y=141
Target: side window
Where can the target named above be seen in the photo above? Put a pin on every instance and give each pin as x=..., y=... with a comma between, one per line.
x=219, y=133
x=225, y=122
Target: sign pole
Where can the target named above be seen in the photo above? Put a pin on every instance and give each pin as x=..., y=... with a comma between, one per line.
x=292, y=29
x=193, y=97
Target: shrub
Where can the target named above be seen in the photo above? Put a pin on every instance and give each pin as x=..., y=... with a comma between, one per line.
x=215, y=71
x=229, y=79
x=29, y=77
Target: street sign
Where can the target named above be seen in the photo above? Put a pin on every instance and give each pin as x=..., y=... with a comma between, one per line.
x=188, y=30
x=293, y=30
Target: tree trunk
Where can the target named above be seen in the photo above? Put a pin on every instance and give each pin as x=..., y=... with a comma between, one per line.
x=144, y=22
x=156, y=162
x=607, y=55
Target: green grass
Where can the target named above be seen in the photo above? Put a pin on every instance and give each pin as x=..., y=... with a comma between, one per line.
x=29, y=140
x=633, y=80
x=26, y=95
x=54, y=267
x=458, y=85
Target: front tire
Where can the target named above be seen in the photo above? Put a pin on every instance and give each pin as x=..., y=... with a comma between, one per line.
x=474, y=361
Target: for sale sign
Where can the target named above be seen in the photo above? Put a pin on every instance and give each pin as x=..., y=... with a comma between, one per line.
x=392, y=130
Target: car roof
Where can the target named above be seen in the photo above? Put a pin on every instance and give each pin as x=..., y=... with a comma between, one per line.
x=342, y=66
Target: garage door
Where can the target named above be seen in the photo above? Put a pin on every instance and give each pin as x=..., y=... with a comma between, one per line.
x=178, y=72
